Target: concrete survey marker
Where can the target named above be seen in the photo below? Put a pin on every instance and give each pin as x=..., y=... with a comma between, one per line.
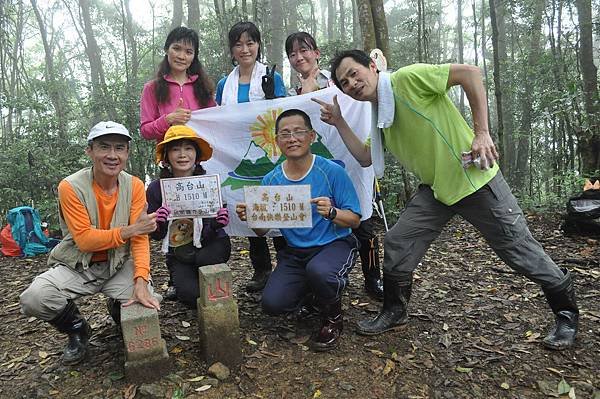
x=218, y=320
x=146, y=356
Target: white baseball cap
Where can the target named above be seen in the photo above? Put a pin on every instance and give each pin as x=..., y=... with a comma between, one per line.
x=107, y=127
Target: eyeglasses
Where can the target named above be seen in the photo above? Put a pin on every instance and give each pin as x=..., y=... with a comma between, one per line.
x=298, y=134
x=105, y=148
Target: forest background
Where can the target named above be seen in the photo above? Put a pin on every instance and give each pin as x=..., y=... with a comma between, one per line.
x=66, y=64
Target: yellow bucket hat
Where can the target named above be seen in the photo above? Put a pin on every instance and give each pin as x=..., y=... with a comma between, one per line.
x=180, y=132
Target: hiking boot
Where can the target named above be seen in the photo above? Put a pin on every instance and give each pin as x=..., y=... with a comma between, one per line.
x=70, y=322
x=396, y=295
x=332, y=324
x=562, y=302
x=258, y=281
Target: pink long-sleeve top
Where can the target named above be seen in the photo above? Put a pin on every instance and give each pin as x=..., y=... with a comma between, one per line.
x=153, y=115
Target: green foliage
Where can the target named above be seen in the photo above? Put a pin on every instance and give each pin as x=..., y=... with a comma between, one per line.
x=397, y=186
x=329, y=50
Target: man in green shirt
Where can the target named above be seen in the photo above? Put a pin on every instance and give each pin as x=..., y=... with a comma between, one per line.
x=419, y=124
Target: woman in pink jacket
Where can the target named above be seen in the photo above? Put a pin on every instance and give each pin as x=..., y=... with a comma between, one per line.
x=180, y=87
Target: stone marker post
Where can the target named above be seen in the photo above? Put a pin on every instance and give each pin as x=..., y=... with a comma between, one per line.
x=218, y=316
x=146, y=356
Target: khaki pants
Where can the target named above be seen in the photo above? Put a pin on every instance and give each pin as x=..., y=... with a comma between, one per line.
x=49, y=292
x=493, y=210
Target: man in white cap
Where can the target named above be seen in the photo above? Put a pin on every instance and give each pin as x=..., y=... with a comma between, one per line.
x=105, y=246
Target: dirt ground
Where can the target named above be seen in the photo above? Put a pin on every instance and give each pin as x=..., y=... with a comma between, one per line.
x=475, y=331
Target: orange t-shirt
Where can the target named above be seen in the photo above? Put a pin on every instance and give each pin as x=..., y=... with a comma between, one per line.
x=101, y=238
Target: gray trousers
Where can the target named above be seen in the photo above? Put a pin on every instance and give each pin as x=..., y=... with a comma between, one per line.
x=493, y=210
x=49, y=292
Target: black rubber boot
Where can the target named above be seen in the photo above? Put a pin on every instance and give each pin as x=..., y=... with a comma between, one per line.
x=369, y=260
x=258, y=281
x=114, y=310
x=260, y=258
x=332, y=324
x=171, y=292
x=396, y=295
x=70, y=322
x=562, y=302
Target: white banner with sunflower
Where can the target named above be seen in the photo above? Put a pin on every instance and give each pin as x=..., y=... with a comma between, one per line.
x=244, y=149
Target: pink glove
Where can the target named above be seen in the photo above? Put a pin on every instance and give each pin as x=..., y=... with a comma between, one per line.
x=162, y=214
x=223, y=217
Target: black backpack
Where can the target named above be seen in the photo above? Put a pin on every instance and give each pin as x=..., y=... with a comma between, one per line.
x=583, y=214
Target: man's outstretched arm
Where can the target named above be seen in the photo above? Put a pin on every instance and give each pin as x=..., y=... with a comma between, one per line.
x=332, y=115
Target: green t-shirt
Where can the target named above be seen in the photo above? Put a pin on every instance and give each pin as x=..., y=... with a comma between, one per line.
x=429, y=134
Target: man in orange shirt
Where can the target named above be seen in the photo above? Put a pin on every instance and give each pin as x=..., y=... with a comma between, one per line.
x=105, y=246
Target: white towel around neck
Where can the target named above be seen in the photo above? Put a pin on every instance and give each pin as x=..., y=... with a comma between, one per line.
x=230, y=90
x=383, y=116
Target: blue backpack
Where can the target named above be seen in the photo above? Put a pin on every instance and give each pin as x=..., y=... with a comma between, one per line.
x=27, y=231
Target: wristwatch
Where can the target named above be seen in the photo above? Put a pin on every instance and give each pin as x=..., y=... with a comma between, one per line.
x=332, y=213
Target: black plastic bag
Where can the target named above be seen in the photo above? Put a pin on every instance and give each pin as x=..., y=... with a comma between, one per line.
x=583, y=214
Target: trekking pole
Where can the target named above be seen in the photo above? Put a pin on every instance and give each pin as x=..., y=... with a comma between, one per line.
x=379, y=204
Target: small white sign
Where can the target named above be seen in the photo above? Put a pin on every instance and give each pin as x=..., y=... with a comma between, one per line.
x=278, y=206
x=193, y=196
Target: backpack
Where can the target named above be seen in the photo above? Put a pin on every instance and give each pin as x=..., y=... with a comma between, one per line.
x=583, y=214
x=27, y=230
x=9, y=245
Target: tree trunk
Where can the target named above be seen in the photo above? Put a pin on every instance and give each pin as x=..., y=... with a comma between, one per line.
x=330, y=20
x=475, y=40
x=13, y=83
x=441, y=36
x=313, y=19
x=220, y=14
x=420, y=57
x=560, y=154
x=130, y=31
x=3, y=84
x=277, y=39
x=102, y=105
x=589, y=137
x=54, y=91
x=292, y=26
x=323, y=9
x=367, y=26
x=485, y=72
x=193, y=14
x=527, y=96
x=177, y=14
x=381, y=28
x=497, y=14
x=244, y=10
x=356, y=31
x=292, y=8
x=459, y=34
x=342, y=23
x=131, y=66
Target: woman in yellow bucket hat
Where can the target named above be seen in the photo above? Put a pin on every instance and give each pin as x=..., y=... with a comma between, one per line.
x=187, y=243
